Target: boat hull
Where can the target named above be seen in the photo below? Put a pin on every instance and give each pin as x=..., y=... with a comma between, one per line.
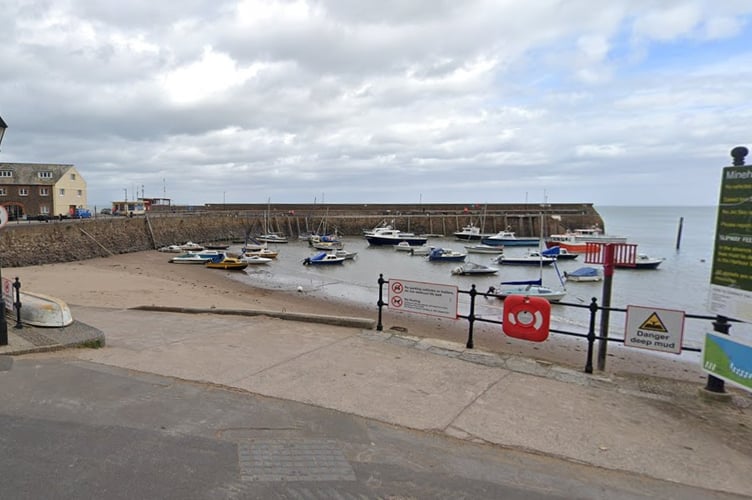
x=518, y=242
x=44, y=311
x=413, y=241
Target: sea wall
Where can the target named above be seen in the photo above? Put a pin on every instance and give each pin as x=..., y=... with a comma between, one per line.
x=24, y=243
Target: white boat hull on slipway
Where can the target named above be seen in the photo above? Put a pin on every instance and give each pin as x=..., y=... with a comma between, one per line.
x=45, y=311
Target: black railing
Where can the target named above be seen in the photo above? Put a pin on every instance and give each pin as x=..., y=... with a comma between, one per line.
x=721, y=324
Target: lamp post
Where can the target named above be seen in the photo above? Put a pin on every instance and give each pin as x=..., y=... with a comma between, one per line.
x=3, y=220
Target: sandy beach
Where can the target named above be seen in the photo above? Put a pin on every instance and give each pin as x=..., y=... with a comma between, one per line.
x=148, y=279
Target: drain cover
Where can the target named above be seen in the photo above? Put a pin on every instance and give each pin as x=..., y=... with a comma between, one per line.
x=293, y=460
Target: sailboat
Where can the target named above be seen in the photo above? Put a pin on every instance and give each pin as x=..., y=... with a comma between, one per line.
x=532, y=288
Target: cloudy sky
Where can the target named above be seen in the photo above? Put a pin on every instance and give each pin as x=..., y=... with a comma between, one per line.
x=625, y=102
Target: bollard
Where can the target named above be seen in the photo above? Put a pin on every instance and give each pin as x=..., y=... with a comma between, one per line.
x=380, y=303
x=17, y=303
x=471, y=317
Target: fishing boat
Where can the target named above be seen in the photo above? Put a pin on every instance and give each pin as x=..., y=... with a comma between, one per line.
x=323, y=258
x=227, y=263
x=446, y=255
x=584, y=274
x=473, y=268
x=508, y=238
x=470, y=232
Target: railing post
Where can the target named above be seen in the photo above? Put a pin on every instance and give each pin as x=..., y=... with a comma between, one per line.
x=715, y=384
x=380, y=303
x=608, y=274
x=593, y=307
x=17, y=303
x=471, y=317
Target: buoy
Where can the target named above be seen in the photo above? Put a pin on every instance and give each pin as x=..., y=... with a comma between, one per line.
x=300, y=288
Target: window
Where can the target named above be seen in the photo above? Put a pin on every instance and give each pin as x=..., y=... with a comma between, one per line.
x=62, y=191
x=73, y=177
x=23, y=191
x=3, y=192
x=45, y=175
x=44, y=191
x=44, y=210
x=6, y=173
x=80, y=193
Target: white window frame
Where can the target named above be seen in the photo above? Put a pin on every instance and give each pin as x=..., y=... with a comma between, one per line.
x=44, y=191
x=23, y=191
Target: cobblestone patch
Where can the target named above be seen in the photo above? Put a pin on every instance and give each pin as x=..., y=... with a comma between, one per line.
x=293, y=460
x=35, y=337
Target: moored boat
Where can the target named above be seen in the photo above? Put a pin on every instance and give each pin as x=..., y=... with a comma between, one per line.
x=485, y=249
x=446, y=255
x=508, y=238
x=473, y=268
x=323, y=258
x=533, y=258
x=583, y=274
x=532, y=288
x=227, y=263
x=196, y=257
x=642, y=261
x=470, y=232
x=386, y=237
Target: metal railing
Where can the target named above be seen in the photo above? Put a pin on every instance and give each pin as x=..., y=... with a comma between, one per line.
x=721, y=324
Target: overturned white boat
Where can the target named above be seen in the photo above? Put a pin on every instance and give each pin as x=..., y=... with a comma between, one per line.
x=42, y=310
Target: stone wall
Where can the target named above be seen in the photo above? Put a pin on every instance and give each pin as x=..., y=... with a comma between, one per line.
x=26, y=243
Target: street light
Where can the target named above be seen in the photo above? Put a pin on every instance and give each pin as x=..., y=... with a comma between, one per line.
x=3, y=323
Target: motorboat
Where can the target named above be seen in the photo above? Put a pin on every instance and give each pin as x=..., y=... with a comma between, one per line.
x=446, y=255
x=261, y=252
x=559, y=253
x=227, y=263
x=485, y=249
x=384, y=237
x=190, y=246
x=323, y=258
x=341, y=252
x=172, y=249
x=533, y=258
x=470, y=232
x=421, y=250
x=403, y=246
x=473, y=268
x=642, y=261
x=584, y=274
x=508, y=238
x=532, y=288
x=587, y=235
x=196, y=257
x=255, y=259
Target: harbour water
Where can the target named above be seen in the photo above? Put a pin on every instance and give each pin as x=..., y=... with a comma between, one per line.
x=681, y=282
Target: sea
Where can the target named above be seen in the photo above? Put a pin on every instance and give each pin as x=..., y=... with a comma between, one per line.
x=682, y=236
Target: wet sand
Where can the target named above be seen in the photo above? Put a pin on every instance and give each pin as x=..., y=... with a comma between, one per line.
x=148, y=279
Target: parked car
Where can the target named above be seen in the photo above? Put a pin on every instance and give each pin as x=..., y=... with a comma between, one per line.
x=106, y=211
x=41, y=217
x=81, y=213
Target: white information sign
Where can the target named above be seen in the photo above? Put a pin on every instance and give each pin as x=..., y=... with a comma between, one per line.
x=7, y=293
x=422, y=298
x=654, y=329
x=3, y=216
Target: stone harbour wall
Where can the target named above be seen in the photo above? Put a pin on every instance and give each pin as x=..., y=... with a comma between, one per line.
x=25, y=243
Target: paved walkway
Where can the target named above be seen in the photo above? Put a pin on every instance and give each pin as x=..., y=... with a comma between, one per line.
x=666, y=432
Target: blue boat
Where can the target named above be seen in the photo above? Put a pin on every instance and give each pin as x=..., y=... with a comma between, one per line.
x=584, y=274
x=446, y=255
x=323, y=258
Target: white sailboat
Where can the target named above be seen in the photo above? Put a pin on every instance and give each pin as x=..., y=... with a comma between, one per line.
x=532, y=288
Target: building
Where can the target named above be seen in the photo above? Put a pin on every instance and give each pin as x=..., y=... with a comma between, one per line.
x=37, y=190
